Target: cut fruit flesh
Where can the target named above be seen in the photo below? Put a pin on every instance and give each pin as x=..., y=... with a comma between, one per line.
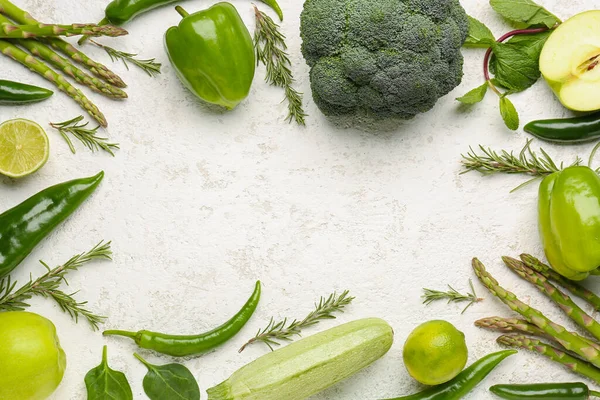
x=24, y=148
x=570, y=61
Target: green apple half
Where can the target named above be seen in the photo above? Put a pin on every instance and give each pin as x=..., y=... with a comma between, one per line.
x=32, y=363
x=570, y=62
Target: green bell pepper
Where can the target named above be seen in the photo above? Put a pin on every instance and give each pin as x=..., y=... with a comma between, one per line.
x=213, y=54
x=569, y=221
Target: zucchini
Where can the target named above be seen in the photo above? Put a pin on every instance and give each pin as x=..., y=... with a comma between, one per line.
x=309, y=365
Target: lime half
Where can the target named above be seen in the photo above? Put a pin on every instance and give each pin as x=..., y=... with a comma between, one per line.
x=24, y=148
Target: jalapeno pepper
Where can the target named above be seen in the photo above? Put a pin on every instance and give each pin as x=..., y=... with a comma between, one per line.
x=464, y=382
x=545, y=391
x=15, y=92
x=25, y=225
x=568, y=130
x=189, y=345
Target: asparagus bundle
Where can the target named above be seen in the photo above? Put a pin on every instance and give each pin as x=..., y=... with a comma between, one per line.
x=23, y=17
x=11, y=31
x=12, y=51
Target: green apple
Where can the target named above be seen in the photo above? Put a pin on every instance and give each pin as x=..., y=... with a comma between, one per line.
x=32, y=363
x=570, y=62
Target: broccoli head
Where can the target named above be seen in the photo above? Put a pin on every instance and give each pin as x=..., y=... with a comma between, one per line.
x=389, y=58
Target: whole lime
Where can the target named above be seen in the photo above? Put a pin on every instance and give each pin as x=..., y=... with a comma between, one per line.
x=435, y=352
x=31, y=359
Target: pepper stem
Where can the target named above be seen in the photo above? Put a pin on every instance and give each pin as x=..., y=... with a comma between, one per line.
x=594, y=393
x=131, y=335
x=181, y=11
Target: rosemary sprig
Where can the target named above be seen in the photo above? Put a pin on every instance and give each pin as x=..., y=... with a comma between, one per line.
x=282, y=331
x=452, y=295
x=85, y=135
x=47, y=285
x=271, y=50
x=149, y=66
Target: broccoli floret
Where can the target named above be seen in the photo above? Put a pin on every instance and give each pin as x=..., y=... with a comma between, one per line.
x=388, y=58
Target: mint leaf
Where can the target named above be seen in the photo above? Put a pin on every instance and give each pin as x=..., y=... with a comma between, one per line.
x=474, y=96
x=532, y=44
x=509, y=113
x=524, y=11
x=479, y=34
x=513, y=68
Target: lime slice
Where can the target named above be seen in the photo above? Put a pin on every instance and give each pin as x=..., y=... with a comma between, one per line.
x=24, y=148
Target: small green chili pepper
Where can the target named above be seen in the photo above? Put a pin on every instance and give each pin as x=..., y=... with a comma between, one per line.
x=545, y=391
x=464, y=382
x=25, y=225
x=568, y=130
x=15, y=92
x=188, y=345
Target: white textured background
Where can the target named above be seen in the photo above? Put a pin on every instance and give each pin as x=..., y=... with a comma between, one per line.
x=201, y=204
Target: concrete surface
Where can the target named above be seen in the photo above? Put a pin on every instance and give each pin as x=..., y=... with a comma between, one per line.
x=201, y=204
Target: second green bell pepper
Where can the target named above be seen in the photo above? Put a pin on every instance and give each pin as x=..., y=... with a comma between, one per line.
x=213, y=54
x=569, y=221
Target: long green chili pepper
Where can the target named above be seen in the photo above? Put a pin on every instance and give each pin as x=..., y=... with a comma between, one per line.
x=25, y=225
x=569, y=130
x=464, y=382
x=545, y=391
x=188, y=345
x=15, y=93
x=118, y=12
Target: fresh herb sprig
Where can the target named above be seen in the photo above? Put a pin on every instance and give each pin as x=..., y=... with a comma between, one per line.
x=515, y=64
x=275, y=332
x=149, y=66
x=271, y=50
x=84, y=134
x=47, y=285
x=452, y=295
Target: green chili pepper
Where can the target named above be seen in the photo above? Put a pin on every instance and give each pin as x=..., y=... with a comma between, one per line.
x=25, y=225
x=213, y=54
x=545, y=391
x=188, y=345
x=569, y=130
x=569, y=221
x=15, y=92
x=464, y=382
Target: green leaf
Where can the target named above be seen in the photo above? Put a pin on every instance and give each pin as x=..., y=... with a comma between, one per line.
x=170, y=381
x=479, y=34
x=531, y=44
x=524, y=11
x=509, y=113
x=103, y=383
x=474, y=96
x=514, y=68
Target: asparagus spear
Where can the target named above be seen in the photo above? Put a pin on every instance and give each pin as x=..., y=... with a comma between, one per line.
x=574, y=364
x=568, y=306
x=12, y=51
x=12, y=31
x=570, y=285
x=515, y=325
x=567, y=340
x=23, y=17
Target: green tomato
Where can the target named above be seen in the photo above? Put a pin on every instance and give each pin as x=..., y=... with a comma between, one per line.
x=31, y=359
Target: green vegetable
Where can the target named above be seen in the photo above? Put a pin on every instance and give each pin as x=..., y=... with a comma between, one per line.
x=104, y=383
x=545, y=391
x=12, y=31
x=22, y=17
x=310, y=365
x=569, y=220
x=171, y=381
x=180, y=345
x=568, y=130
x=384, y=58
x=213, y=54
x=12, y=51
x=525, y=12
x=15, y=92
x=31, y=221
x=464, y=382
x=33, y=363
